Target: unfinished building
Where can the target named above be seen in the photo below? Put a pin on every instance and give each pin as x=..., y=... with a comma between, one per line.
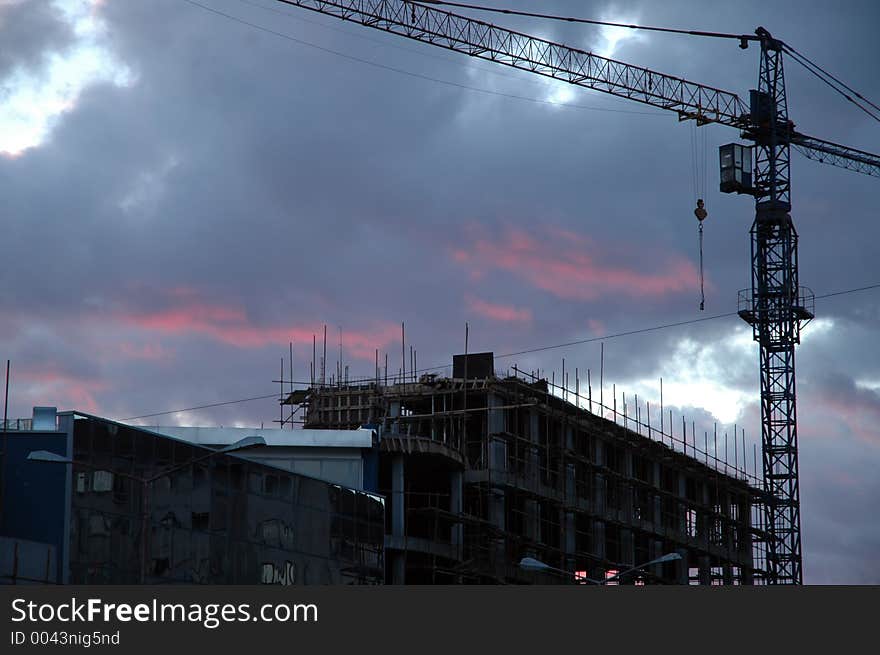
x=480, y=471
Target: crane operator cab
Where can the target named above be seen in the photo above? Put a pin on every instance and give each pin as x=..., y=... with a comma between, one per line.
x=736, y=168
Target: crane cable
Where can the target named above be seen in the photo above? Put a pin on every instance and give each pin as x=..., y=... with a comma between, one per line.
x=698, y=164
x=742, y=38
x=702, y=292
x=836, y=84
x=826, y=77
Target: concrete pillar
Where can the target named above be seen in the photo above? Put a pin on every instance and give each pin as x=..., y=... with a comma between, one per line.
x=532, y=468
x=744, y=543
x=455, y=507
x=627, y=500
x=570, y=487
x=496, y=508
x=598, y=478
x=496, y=416
x=747, y=572
x=705, y=532
x=398, y=558
x=705, y=570
x=682, y=505
x=497, y=517
x=398, y=567
x=728, y=527
x=655, y=551
x=627, y=547
x=394, y=416
x=534, y=417
x=532, y=520
x=681, y=567
x=599, y=494
x=569, y=539
x=497, y=453
x=727, y=572
x=658, y=513
x=397, y=496
x=599, y=538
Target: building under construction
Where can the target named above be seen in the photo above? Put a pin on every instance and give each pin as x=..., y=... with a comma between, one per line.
x=481, y=470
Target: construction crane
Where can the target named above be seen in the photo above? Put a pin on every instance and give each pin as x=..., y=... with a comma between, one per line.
x=776, y=306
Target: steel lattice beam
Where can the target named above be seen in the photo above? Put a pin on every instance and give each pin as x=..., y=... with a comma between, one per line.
x=837, y=155
x=486, y=41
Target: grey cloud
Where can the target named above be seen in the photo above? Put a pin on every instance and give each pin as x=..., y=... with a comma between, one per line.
x=31, y=31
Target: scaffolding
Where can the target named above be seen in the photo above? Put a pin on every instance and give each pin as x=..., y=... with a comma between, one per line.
x=482, y=471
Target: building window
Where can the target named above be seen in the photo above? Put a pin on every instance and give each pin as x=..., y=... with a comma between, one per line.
x=692, y=522
x=610, y=576
x=102, y=481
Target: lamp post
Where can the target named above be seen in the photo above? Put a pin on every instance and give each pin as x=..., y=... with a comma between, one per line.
x=532, y=564
x=55, y=458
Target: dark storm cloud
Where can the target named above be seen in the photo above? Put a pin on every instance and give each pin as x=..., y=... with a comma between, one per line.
x=171, y=235
x=233, y=135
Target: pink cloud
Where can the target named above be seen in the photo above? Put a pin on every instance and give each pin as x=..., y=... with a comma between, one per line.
x=193, y=317
x=498, y=312
x=147, y=351
x=596, y=327
x=41, y=385
x=568, y=266
x=860, y=413
x=231, y=325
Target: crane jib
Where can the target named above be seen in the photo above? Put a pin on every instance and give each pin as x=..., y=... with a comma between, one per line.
x=480, y=39
x=689, y=100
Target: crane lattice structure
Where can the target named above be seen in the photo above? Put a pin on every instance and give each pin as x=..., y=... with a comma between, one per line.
x=776, y=306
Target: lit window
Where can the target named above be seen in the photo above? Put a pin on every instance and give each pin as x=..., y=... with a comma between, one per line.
x=610, y=577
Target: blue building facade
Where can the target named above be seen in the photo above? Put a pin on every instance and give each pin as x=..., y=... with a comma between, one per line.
x=206, y=518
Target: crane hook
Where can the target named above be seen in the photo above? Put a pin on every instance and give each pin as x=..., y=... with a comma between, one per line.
x=700, y=212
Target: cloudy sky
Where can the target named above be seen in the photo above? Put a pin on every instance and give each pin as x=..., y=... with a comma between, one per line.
x=184, y=194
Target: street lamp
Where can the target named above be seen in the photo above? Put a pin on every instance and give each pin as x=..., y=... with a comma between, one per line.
x=534, y=565
x=54, y=458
